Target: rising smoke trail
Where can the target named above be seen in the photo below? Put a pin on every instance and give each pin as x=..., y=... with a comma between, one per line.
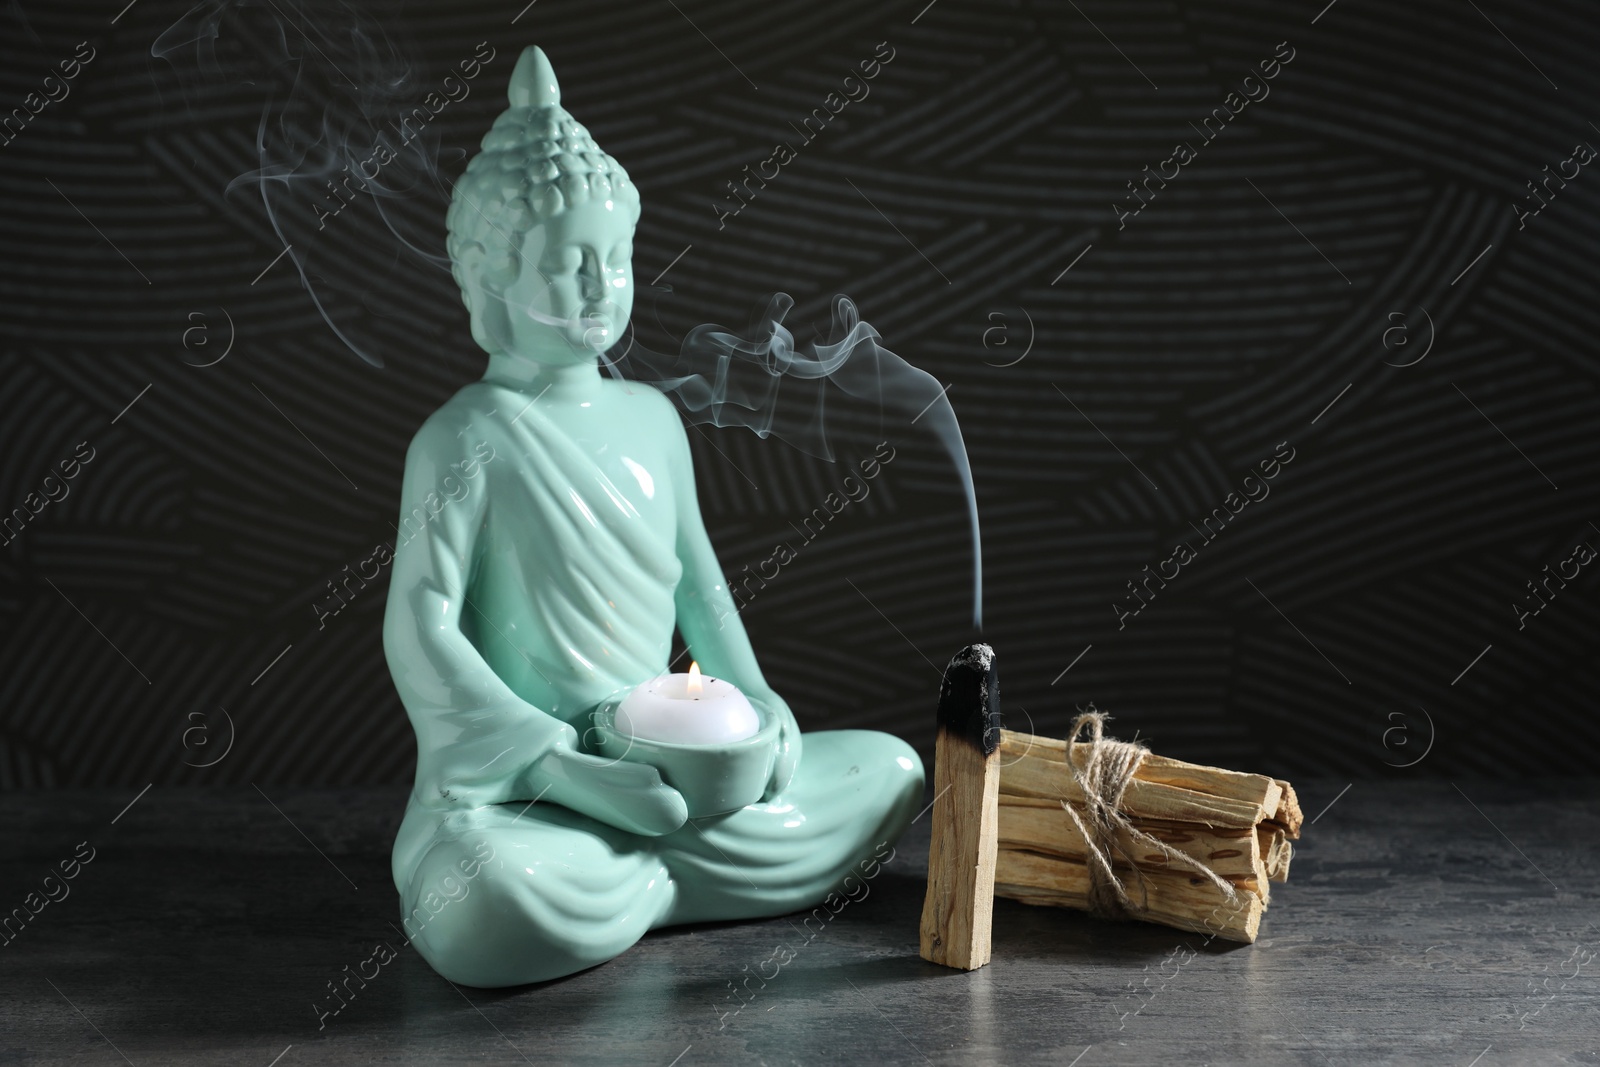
x=352, y=179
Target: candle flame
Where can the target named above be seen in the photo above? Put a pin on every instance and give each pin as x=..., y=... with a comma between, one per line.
x=694, y=678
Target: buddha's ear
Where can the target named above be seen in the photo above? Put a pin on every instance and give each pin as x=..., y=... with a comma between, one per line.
x=491, y=326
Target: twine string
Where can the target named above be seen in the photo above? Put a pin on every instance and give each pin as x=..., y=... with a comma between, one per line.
x=1103, y=774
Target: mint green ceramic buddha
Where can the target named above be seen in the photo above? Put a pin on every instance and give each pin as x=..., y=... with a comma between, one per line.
x=550, y=542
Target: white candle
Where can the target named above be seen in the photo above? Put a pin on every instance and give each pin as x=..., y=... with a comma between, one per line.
x=687, y=709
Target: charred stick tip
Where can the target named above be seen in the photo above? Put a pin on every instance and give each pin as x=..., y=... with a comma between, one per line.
x=969, y=698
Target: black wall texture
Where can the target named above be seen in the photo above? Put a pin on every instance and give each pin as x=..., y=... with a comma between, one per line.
x=1343, y=279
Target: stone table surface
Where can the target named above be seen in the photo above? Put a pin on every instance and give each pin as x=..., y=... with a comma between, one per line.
x=1423, y=923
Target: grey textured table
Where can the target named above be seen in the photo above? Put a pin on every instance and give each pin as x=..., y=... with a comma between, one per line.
x=1422, y=924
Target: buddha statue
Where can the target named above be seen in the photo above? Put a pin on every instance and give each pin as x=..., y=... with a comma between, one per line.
x=561, y=545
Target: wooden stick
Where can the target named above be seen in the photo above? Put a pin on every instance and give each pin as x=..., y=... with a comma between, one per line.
x=1041, y=825
x=1034, y=775
x=959, y=906
x=1248, y=791
x=1187, y=902
x=1288, y=814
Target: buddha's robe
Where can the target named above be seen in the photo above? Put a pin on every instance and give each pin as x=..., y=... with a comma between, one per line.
x=536, y=575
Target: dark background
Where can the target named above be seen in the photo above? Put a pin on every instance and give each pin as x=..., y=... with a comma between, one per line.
x=161, y=615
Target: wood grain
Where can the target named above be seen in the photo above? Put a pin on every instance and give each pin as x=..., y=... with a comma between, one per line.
x=1245, y=799
x=958, y=909
x=1187, y=902
x=1288, y=814
x=1041, y=825
x=1034, y=775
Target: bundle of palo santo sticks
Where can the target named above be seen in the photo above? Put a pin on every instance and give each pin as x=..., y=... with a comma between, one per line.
x=1239, y=825
x=1159, y=839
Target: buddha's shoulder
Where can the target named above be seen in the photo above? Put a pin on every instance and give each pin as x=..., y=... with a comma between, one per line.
x=480, y=406
x=644, y=399
x=473, y=404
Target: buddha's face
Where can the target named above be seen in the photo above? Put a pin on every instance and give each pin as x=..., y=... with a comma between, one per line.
x=574, y=292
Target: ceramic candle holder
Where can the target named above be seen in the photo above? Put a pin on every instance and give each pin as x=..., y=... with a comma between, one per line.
x=714, y=779
x=550, y=544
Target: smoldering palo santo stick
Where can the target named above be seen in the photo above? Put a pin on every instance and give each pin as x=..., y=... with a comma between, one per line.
x=959, y=907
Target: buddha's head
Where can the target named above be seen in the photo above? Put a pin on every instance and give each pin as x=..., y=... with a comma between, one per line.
x=541, y=231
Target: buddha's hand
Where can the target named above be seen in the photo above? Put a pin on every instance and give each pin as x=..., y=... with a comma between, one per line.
x=629, y=796
x=788, y=760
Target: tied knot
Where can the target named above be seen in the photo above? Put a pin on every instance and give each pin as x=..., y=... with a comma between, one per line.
x=1102, y=774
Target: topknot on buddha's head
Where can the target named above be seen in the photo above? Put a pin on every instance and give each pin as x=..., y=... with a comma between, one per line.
x=536, y=162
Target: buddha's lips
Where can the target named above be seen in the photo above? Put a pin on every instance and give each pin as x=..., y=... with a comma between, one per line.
x=587, y=321
x=590, y=323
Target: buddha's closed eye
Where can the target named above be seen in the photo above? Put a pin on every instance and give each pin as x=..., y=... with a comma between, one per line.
x=566, y=260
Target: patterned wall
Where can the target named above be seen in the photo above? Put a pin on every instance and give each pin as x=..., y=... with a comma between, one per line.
x=1322, y=387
